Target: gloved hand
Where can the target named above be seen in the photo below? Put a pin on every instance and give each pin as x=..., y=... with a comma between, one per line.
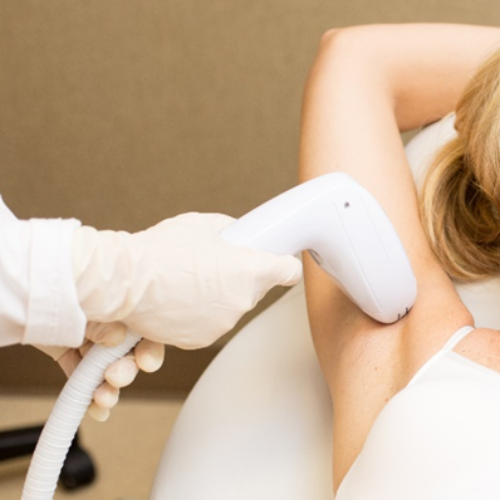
x=146, y=356
x=177, y=282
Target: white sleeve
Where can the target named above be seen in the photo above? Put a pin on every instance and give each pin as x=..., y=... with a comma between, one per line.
x=38, y=300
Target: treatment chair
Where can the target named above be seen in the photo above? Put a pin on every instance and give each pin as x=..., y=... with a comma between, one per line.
x=258, y=424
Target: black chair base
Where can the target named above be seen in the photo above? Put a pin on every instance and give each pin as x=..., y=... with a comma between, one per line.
x=78, y=469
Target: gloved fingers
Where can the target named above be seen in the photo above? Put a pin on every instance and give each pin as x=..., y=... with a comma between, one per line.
x=98, y=413
x=122, y=372
x=287, y=270
x=149, y=355
x=272, y=270
x=106, y=396
x=68, y=362
x=106, y=334
x=284, y=270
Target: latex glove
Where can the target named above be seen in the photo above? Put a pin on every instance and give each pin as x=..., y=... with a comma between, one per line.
x=177, y=282
x=146, y=356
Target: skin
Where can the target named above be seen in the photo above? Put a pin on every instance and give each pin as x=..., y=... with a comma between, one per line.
x=368, y=84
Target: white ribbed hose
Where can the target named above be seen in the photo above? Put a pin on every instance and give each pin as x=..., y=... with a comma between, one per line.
x=66, y=416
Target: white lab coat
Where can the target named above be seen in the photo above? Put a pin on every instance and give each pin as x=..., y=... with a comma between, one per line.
x=38, y=298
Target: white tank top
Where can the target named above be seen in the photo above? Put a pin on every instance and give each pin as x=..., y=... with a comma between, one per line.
x=439, y=437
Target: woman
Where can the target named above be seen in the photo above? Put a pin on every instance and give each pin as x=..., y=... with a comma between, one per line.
x=392, y=437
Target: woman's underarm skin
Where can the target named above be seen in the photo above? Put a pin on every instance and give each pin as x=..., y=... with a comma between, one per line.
x=366, y=85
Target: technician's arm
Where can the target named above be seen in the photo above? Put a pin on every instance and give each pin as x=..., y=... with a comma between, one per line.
x=366, y=85
x=176, y=283
x=39, y=305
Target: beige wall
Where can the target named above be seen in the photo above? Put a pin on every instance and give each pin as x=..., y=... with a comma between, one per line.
x=123, y=112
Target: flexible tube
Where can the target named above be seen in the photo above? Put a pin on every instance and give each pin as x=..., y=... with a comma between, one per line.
x=66, y=416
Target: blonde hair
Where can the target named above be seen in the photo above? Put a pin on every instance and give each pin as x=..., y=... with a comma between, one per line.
x=460, y=202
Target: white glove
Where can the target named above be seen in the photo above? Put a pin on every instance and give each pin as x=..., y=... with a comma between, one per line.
x=177, y=282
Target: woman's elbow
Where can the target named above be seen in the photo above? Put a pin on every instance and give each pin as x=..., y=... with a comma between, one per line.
x=328, y=38
x=353, y=51
x=361, y=40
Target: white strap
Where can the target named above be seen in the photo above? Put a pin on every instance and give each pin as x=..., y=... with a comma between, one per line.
x=450, y=344
x=456, y=338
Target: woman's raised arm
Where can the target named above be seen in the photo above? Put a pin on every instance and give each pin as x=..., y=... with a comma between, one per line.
x=367, y=84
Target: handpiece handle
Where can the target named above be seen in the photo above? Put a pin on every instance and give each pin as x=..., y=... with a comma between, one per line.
x=346, y=232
